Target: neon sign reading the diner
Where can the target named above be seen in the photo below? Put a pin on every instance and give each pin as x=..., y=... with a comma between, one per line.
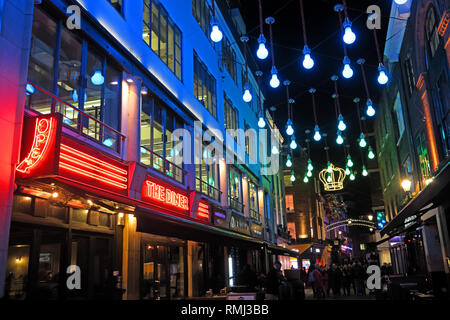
x=165, y=195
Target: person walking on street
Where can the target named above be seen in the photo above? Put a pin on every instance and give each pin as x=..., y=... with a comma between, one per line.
x=274, y=280
x=318, y=282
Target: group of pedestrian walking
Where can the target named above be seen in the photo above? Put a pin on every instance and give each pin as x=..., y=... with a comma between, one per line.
x=338, y=279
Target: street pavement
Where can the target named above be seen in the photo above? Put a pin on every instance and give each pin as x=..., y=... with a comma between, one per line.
x=309, y=296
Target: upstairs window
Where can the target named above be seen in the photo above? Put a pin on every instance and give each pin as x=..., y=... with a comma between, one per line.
x=203, y=14
x=162, y=35
x=431, y=33
x=204, y=86
x=231, y=115
x=118, y=5
x=398, y=115
x=229, y=59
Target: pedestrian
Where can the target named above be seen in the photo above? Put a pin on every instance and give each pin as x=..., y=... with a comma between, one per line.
x=274, y=281
x=325, y=282
x=346, y=278
x=318, y=282
x=247, y=277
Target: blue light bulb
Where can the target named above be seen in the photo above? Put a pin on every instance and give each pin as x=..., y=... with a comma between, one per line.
x=341, y=124
x=370, y=109
x=349, y=36
x=347, y=72
x=308, y=62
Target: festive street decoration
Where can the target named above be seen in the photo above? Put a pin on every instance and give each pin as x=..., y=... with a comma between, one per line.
x=334, y=180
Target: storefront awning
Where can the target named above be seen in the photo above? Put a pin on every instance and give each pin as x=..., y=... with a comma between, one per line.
x=281, y=251
x=301, y=247
x=154, y=222
x=428, y=198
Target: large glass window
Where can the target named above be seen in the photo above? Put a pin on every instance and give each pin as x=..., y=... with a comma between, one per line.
x=231, y=115
x=157, y=146
x=410, y=77
x=207, y=174
x=431, y=33
x=424, y=158
x=229, y=59
x=234, y=189
x=162, y=35
x=203, y=14
x=398, y=115
x=204, y=86
x=253, y=201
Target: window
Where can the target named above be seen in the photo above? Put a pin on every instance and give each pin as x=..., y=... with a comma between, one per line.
x=290, y=202
x=204, y=86
x=84, y=78
x=398, y=115
x=162, y=35
x=442, y=112
x=231, y=115
x=157, y=146
x=410, y=78
x=253, y=201
x=431, y=34
x=229, y=59
x=234, y=189
x=203, y=14
x=247, y=137
x=424, y=159
x=407, y=171
x=207, y=174
x=117, y=4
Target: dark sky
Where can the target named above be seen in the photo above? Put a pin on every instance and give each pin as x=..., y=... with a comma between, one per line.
x=324, y=38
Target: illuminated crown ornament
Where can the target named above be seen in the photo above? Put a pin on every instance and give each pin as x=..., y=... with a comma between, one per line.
x=334, y=180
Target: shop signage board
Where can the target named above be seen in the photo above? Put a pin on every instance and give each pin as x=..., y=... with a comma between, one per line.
x=203, y=211
x=158, y=193
x=219, y=217
x=257, y=230
x=239, y=223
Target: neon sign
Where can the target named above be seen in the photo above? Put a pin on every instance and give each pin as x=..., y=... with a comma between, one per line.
x=83, y=164
x=203, y=210
x=42, y=138
x=165, y=195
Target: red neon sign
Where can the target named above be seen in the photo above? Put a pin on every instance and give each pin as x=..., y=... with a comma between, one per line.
x=165, y=195
x=203, y=210
x=42, y=138
x=83, y=164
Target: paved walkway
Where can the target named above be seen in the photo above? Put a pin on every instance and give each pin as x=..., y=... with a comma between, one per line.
x=309, y=296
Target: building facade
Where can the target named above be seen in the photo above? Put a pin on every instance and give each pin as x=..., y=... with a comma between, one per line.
x=412, y=133
x=118, y=164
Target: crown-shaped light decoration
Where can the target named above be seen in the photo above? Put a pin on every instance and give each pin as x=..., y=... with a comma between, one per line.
x=334, y=180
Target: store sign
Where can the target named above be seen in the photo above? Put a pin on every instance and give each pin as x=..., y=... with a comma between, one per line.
x=164, y=195
x=239, y=224
x=39, y=146
x=257, y=230
x=410, y=221
x=203, y=211
x=219, y=217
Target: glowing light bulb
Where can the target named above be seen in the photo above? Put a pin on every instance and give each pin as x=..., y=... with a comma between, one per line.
x=30, y=89
x=216, y=34
x=247, y=97
x=329, y=179
x=261, y=121
x=292, y=176
x=289, y=162
x=309, y=174
x=275, y=150
x=362, y=141
x=400, y=2
x=382, y=77
x=310, y=166
x=317, y=135
x=274, y=81
x=364, y=172
x=341, y=124
x=330, y=168
x=262, y=52
x=352, y=177
x=349, y=161
x=371, y=154
x=347, y=72
x=305, y=179
x=339, y=139
x=347, y=171
x=293, y=144
x=349, y=36
x=97, y=78
x=370, y=111
x=289, y=128
x=308, y=62
x=75, y=95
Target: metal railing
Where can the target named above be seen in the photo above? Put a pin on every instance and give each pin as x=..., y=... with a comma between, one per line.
x=254, y=214
x=44, y=102
x=235, y=204
x=207, y=189
x=159, y=163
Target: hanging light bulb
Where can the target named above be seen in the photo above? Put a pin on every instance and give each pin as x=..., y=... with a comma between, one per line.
x=339, y=139
x=310, y=166
x=309, y=174
x=262, y=52
x=308, y=62
x=362, y=141
x=349, y=36
x=292, y=176
x=289, y=128
x=274, y=81
x=371, y=154
x=97, y=78
x=352, y=176
x=275, y=150
x=349, y=161
x=370, y=111
x=216, y=34
x=289, y=161
x=341, y=124
x=347, y=72
x=75, y=95
x=364, y=172
x=400, y=2
x=347, y=171
x=305, y=179
x=382, y=76
x=293, y=144
x=329, y=179
x=261, y=121
x=329, y=168
x=317, y=135
x=247, y=97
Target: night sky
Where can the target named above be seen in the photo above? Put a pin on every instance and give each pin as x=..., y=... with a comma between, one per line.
x=324, y=38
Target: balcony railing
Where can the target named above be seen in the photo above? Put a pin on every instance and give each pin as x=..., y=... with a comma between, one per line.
x=159, y=163
x=254, y=214
x=235, y=204
x=44, y=102
x=207, y=189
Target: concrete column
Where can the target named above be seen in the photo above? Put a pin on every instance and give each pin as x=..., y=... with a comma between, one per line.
x=131, y=262
x=130, y=122
x=16, y=17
